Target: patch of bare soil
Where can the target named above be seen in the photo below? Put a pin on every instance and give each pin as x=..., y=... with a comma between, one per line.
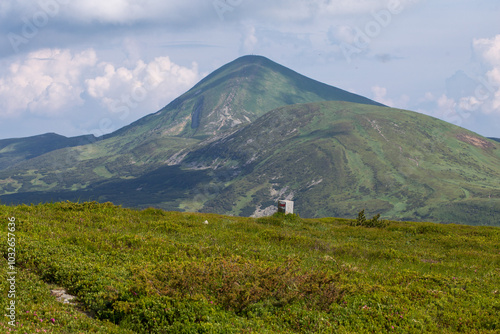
x=478, y=142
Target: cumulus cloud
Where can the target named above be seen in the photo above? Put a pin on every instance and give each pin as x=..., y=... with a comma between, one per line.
x=487, y=93
x=52, y=83
x=150, y=85
x=471, y=96
x=485, y=97
x=488, y=50
x=446, y=104
x=46, y=82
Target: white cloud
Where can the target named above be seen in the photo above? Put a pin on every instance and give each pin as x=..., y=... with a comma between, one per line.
x=150, y=85
x=488, y=50
x=46, y=82
x=121, y=12
x=380, y=95
x=448, y=110
x=469, y=103
x=250, y=40
x=52, y=83
x=472, y=95
x=446, y=104
x=487, y=94
x=130, y=11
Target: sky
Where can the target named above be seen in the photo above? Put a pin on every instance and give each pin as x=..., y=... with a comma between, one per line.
x=77, y=67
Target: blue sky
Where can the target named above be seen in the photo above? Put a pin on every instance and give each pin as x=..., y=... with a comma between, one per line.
x=89, y=66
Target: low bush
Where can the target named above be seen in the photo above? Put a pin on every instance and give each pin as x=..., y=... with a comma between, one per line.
x=374, y=222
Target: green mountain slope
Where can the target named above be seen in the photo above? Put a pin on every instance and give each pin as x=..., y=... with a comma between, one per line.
x=76, y=168
x=336, y=158
x=333, y=159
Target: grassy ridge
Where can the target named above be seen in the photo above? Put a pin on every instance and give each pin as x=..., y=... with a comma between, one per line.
x=152, y=271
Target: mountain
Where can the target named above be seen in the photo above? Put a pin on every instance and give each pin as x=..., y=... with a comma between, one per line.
x=237, y=93
x=241, y=139
x=13, y=151
x=231, y=96
x=495, y=139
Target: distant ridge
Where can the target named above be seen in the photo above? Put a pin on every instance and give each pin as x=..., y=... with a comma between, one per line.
x=17, y=150
x=495, y=139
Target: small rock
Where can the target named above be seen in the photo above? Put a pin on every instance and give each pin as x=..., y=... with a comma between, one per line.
x=205, y=222
x=62, y=296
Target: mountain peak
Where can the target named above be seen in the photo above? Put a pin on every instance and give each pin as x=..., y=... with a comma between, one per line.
x=252, y=59
x=238, y=93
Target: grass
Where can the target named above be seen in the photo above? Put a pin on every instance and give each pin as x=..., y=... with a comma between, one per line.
x=153, y=271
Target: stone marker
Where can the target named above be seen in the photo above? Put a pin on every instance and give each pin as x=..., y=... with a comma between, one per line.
x=285, y=206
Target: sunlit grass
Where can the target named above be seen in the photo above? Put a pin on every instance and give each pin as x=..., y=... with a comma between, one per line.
x=152, y=271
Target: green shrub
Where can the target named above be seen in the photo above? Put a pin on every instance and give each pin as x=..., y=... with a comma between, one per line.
x=374, y=222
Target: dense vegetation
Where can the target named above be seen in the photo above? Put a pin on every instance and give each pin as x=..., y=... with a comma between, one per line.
x=153, y=271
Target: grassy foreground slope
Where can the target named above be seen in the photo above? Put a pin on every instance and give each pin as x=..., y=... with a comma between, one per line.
x=153, y=271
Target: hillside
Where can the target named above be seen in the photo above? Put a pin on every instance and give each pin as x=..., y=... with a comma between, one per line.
x=167, y=272
x=335, y=158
